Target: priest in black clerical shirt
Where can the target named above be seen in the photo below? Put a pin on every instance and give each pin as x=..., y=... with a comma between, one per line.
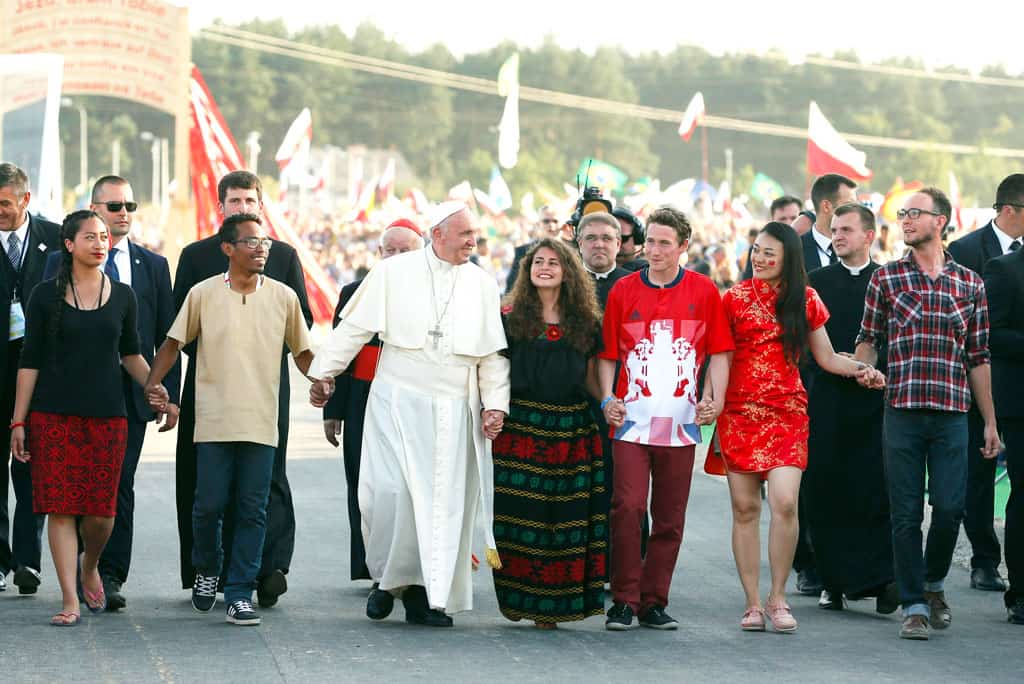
x=844, y=485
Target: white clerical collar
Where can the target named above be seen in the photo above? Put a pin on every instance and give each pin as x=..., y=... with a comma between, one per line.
x=435, y=262
x=824, y=243
x=599, y=276
x=855, y=271
x=1004, y=240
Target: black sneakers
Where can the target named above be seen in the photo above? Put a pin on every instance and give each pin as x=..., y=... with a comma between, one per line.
x=655, y=617
x=204, y=592
x=241, y=612
x=620, y=618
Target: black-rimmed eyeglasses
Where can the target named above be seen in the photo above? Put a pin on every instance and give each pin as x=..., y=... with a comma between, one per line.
x=914, y=213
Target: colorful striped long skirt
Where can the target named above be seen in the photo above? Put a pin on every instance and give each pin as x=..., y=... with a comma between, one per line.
x=550, y=513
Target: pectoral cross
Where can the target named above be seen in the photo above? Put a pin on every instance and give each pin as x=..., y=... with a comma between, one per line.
x=436, y=334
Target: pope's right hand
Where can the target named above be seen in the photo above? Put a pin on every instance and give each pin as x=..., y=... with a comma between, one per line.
x=320, y=391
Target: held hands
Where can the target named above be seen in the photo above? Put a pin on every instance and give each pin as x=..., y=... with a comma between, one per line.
x=18, y=446
x=332, y=428
x=991, y=448
x=708, y=410
x=319, y=392
x=157, y=396
x=494, y=421
x=615, y=413
x=870, y=377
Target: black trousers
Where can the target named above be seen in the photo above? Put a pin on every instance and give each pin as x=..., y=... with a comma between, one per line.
x=1013, y=435
x=981, y=491
x=279, y=543
x=117, y=555
x=23, y=545
x=351, y=449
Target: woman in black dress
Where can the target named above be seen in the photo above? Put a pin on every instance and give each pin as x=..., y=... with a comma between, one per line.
x=80, y=330
x=549, y=522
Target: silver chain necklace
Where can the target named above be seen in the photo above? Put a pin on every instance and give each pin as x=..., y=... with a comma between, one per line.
x=436, y=333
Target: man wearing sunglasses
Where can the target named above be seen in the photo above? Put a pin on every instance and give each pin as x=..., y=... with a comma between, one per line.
x=631, y=248
x=1001, y=235
x=149, y=276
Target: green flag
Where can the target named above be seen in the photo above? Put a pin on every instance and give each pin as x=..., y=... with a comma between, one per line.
x=602, y=174
x=765, y=188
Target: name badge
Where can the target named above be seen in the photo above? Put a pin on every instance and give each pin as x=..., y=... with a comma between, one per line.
x=17, y=322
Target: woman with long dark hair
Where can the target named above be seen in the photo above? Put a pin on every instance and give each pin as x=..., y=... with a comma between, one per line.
x=775, y=318
x=549, y=523
x=69, y=409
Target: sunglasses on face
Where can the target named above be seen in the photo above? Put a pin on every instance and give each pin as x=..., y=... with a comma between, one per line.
x=116, y=207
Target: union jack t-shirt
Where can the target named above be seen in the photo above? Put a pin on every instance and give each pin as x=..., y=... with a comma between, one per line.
x=937, y=331
x=661, y=336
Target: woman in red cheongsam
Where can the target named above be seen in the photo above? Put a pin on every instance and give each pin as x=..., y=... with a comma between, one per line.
x=763, y=423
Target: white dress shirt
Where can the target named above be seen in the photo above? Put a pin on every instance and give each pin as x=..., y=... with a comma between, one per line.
x=123, y=260
x=22, y=233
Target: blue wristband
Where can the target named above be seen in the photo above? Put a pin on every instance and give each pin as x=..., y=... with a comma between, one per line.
x=604, y=402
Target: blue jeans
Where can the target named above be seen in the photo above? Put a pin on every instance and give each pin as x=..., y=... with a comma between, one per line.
x=237, y=472
x=919, y=441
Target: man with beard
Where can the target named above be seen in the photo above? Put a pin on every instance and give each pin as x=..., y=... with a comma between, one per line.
x=844, y=484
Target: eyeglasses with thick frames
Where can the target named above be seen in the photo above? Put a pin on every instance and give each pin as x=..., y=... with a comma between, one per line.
x=914, y=213
x=254, y=242
x=116, y=207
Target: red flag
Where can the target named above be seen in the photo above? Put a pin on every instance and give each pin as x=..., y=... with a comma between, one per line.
x=692, y=117
x=296, y=143
x=828, y=152
x=214, y=154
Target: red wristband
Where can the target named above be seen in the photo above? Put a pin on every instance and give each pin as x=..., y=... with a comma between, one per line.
x=20, y=424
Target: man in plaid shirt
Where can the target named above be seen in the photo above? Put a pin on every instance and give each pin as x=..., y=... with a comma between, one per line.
x=932, y=313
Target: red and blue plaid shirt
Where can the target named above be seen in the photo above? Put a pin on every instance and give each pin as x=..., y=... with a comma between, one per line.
x=937, y=330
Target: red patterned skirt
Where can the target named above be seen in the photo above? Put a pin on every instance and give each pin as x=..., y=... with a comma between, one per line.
x=76, y=463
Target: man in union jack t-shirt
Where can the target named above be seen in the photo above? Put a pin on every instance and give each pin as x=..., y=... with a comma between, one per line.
x=660, y=325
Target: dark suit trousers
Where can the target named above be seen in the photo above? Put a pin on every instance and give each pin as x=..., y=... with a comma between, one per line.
x=981, y=489
x=117, y=555
x=351, y=449
x=1013, y=434
x=24, y=546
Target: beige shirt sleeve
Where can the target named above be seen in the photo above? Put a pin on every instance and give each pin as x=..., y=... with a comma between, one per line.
x=296, y=335
x=186, y=326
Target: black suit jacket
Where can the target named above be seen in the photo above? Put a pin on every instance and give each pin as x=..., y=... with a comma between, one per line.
x=1004, y=288
x=43, y=239
x=975, y=249
x=349, y=393
x=151, y=282
x=514, y=271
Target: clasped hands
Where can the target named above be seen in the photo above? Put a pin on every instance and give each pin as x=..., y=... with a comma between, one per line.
x=160, y=401
x=615, y=412
x=320, y=391
x=494, y=422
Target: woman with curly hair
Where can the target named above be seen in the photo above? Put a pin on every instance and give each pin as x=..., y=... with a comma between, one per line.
x=549, y=525
x=80, y=331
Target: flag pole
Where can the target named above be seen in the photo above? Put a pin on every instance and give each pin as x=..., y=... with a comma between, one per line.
x=704, y=153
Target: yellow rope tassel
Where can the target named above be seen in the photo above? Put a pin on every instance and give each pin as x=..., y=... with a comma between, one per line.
x=493, y=559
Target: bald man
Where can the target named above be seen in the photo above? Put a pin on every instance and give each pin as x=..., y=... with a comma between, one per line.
x=348, y=405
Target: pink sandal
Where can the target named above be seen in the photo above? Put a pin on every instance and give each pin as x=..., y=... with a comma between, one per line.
x=781, y=618
x=753, y=620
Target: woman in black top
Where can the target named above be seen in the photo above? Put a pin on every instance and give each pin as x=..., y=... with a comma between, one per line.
x=80, y=330
x=550, y=524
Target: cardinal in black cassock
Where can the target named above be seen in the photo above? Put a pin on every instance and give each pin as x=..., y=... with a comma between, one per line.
x=844, y=485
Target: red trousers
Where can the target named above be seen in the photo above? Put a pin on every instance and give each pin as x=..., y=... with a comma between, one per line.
x=644, y=582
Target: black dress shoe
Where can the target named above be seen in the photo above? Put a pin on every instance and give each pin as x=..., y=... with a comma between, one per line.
x=379, y=603
x=270, y=588
x=808, y=583
x=419, y=612
x=831, y=600
x=27, y=580
x=987, y=579
x=115, y=599
x=1015, y=612
x=888, y=600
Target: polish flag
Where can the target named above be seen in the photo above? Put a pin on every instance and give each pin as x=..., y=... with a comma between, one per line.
x=295, y=147
x=386, y=183
x=828, y=152
x=692, y=117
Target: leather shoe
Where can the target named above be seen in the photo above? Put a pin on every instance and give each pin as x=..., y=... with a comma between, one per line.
x=808, y=583
x=27, y=580
x=1015, y=611
x=270, y=588
x=419, y=612
x=831, y=600
x=888, y=601
x=379, y=603
x=987, y=579
x=115, y=599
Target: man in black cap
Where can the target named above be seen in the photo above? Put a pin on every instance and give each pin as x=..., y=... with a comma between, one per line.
x=631, y=248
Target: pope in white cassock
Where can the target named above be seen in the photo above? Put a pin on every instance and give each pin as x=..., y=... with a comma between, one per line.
x=440, y=392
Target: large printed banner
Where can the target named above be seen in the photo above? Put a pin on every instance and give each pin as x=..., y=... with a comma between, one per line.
x=132, y=49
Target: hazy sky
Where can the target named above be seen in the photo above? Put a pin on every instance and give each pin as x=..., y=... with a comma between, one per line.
x=971, y=35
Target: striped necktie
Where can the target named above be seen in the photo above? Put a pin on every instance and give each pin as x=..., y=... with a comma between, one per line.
x=14, y=251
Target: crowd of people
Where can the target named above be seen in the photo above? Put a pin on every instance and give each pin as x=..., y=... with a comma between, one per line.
x=562, y=416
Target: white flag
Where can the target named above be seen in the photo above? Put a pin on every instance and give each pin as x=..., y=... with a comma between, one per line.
x=508, y=128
